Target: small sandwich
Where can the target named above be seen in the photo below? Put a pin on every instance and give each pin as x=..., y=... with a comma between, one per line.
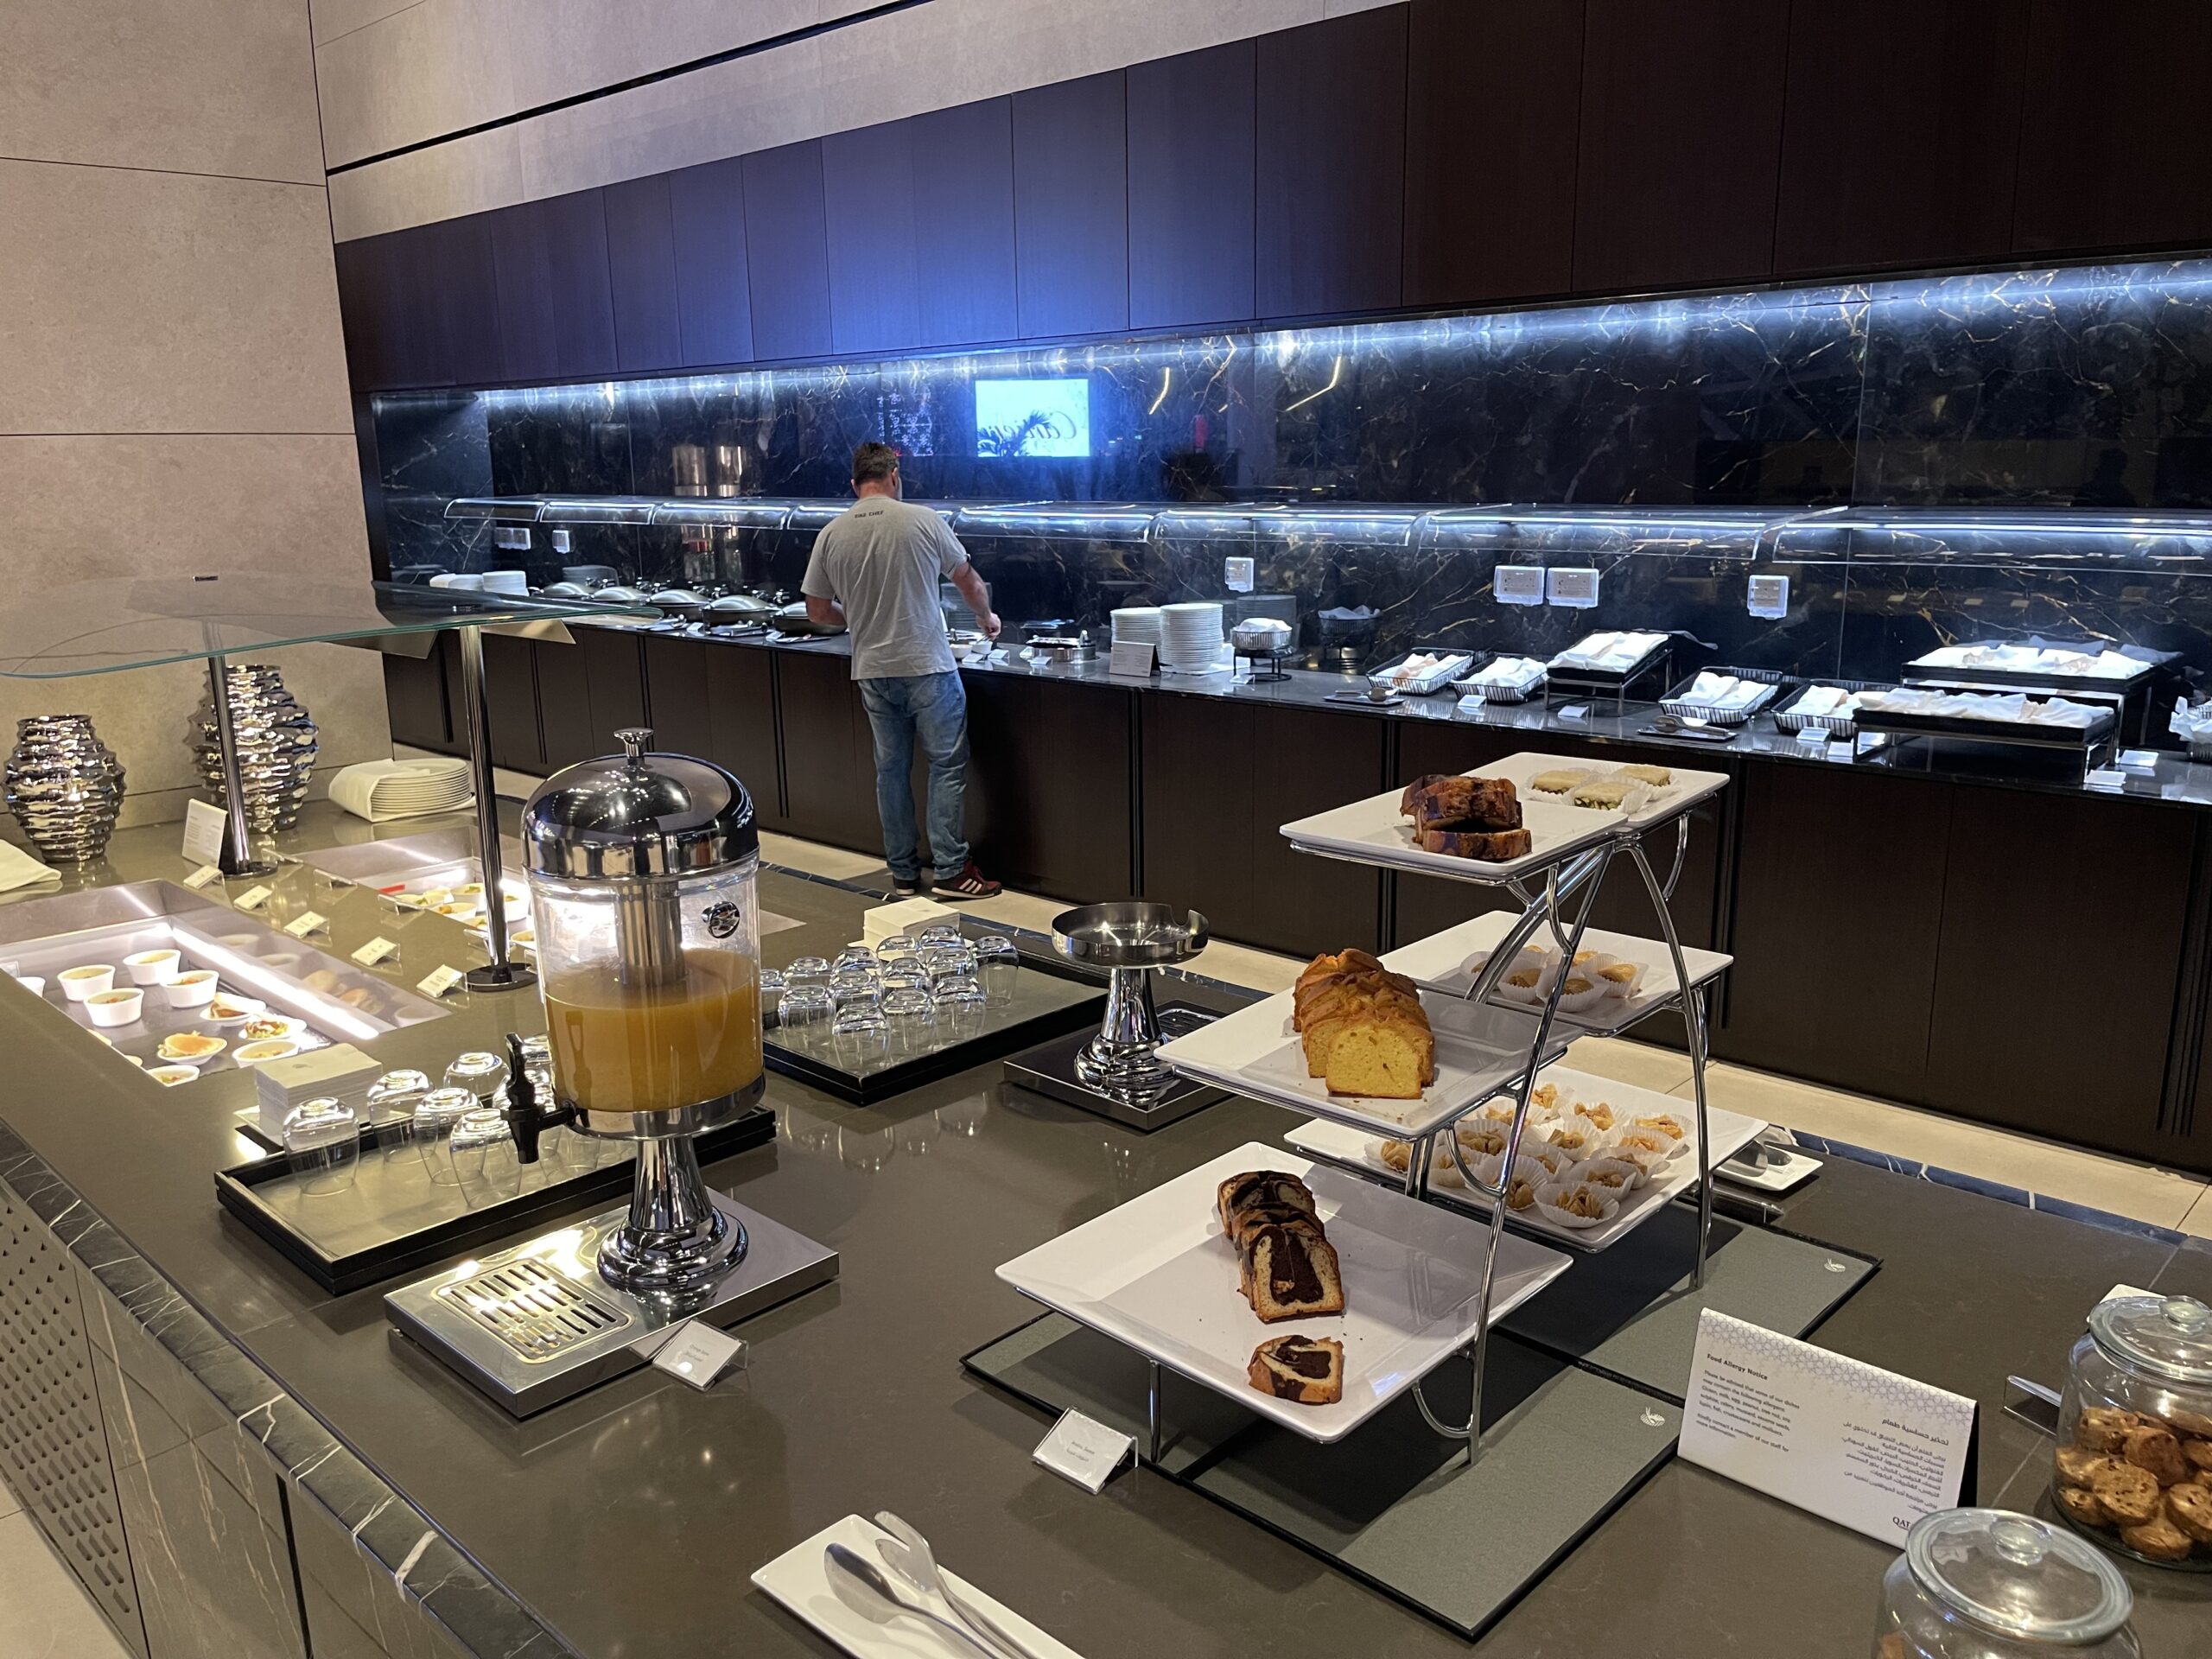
x=1308, y=1369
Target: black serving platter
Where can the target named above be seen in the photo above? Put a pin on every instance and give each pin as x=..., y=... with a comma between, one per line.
x=346, y=1240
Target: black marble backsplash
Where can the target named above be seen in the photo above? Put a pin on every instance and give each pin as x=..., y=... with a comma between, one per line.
x=2017, y=422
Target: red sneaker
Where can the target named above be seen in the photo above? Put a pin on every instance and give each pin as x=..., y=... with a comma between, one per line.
x=971, y=883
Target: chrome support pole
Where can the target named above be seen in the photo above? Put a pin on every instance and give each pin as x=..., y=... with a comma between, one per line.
x=499, y=975
x=1152, y=1413
x=1693, y=1032
x=238, y=835
x=1472, y=1433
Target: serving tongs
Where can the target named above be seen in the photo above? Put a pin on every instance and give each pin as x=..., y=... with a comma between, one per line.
x=912, y=1569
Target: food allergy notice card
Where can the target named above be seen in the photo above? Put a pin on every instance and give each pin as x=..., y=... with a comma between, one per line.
x=1863, y=1448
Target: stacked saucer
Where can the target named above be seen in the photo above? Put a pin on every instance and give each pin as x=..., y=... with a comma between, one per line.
x=1138, y=625
x=1191, y=634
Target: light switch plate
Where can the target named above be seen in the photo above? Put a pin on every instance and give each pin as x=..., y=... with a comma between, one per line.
x=1237, y=574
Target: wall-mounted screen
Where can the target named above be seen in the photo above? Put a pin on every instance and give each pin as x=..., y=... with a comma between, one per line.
x=1032, y=417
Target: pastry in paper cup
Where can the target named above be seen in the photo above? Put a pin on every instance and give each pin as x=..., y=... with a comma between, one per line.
x=1629, y=1141
x=1525, y=981
x=1525, y=1168
x=1560, y=1163
x=1581, y=992
x=1576, y=1204
x=1619, y=1175
x=1577, y=1137
x=1620, y=979
x=1598, y=1111
x=1672, y=1125
x=1561, y=780
x=1484, y=1137
x=1651, y=1163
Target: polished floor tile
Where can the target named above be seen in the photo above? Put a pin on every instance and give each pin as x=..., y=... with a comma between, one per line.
x=2198, y=1221
x=1644, y=1065
x=815, y=858
x=2139, y=1191
x=44, y=1612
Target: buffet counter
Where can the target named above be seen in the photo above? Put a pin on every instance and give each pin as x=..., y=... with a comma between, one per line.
x=1886, y=909
x=289, y=1475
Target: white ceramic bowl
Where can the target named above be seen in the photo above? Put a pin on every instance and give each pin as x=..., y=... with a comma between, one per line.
x=32, y=982
x=170, y=1075
x=193, y=990
x=280, y=1048
x=155, y=967
x=112, y=1008
x=78, y=983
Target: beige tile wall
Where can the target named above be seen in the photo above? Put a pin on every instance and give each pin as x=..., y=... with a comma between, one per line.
x=173, y=394
x=928, y=57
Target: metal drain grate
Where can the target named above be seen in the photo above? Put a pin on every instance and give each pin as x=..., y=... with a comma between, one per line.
x=533, y=1310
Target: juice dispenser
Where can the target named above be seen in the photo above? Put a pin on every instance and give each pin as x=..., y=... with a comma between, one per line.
x=642, y=868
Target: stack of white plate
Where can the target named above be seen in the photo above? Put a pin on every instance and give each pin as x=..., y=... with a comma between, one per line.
x=377, y=789
x=1191, y=634
x=1139, y=625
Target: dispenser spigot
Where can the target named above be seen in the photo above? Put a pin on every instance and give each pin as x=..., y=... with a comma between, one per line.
x=526, y=1119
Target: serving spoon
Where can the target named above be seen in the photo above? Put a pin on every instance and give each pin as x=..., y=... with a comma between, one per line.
x=907, y=1554
x=861, y=1585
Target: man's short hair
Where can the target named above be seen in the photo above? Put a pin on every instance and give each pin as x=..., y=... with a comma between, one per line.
x=873, y=463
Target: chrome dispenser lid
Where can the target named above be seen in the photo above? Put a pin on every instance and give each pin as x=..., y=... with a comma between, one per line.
x=637, y=814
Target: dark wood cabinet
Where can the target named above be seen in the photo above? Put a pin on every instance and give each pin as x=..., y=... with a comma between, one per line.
x=1330, y=189
x=2115, y=135
x=415, y=700
x=398, y=331
x=741, y=694
x=511, y=696
x=362, y=295
x=828, y=755
x=583, y=299
x=786, y=251
x=1192, y=172
x=963, y=223
x=641, y=272
x=586, y=692
x=1901, y=133
x=1681, y=142
x=1049, y=786
x=1071, y=207
x=1220, y=781
x=522, y=265
x=713, y=302
x=457, y=291
x=868, y=216
x=678, y=693
x=1493, y=113
x=2055, y=980
x=1835, y=929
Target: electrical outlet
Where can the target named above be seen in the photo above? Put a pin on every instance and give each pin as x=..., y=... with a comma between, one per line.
x=516, y=536
x=1767, y=596
x=560, y=541
x=1237, y=575
x=1573, y=587
x=1518, y=584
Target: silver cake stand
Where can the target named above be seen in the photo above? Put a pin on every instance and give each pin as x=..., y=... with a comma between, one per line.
x=1116, y=1070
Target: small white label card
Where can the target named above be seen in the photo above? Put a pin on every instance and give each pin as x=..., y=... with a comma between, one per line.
x=1130, y=659
x=1849, y=1441
x=1518, y=584
x=699, y=1354
x=1768, y=597
x=307, y=922
x=206, y=876
x=252, y=899
x=2137, y=760
x=1573, y=586
x=440, y=980
x=374, y=951
x=1084, y=1450
x=205, y=825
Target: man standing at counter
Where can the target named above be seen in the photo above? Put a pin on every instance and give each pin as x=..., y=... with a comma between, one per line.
x=874, y=570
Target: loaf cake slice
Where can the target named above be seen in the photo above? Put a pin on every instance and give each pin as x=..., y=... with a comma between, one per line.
x=1388, y=1060
x=1289, y=1273
x=1308, y=1369
x=1465, y=804
x=1257, y=1188
x=1489, y=846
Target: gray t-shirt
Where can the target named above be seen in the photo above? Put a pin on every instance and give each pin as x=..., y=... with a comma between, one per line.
x=881, y=560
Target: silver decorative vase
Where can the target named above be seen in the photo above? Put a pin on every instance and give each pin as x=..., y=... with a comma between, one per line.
x=64, y=787
x=275, y=743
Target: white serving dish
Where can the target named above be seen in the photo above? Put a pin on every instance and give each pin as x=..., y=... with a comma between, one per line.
x=1157, y=1273
x=88, y=980
x=1350, y=1149
x=191, y=989
x=108, y=1009
x=32, y=982
x=799, y=1579
x=153, y=967
x=1438, y=962
x=171, y=1073
x=1479, y=1051
x=1373, y=831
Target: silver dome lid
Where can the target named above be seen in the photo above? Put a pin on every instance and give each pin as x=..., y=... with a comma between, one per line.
x=637, y=814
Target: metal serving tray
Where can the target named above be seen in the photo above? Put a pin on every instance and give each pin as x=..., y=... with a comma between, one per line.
x=339, y=1001
x=1456, y=664
x=1835, y=725
x=2084, y=745
x=1677, y=703
x=393, y=1220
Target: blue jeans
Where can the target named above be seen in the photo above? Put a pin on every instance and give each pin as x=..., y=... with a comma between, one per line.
x=934, y=708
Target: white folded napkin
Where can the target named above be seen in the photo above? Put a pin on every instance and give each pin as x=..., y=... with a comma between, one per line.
x=19, y=869
x=380, y=790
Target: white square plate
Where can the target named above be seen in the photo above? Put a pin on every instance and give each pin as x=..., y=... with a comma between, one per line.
x=1337, y=1144
x=1438, y=962
x=1373, y=831
x=1159, y=1275
x=1479, y=1051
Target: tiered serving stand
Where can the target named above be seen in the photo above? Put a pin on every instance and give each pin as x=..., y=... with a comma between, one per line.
x=1452, y=1489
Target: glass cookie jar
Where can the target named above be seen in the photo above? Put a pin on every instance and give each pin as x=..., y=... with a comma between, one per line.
x=2133, y=1466
x=1988, y=1584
